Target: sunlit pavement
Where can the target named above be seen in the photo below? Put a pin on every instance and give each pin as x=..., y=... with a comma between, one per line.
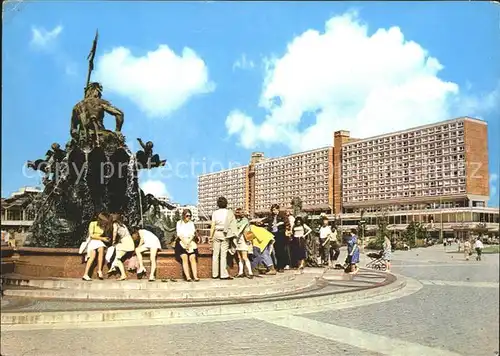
x=449, y=307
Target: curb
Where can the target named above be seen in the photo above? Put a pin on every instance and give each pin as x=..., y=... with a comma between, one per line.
x=296, y=302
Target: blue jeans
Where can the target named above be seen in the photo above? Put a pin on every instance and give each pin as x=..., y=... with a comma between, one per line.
x=262, y=257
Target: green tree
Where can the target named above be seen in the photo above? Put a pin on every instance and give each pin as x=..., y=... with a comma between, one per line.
x=296, y=206
x=414, y=231
x=168, y=222
x=361, y=227
x=382, y=231
x=177, y=217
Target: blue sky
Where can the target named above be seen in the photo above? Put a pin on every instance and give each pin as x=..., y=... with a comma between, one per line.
x=212, y=82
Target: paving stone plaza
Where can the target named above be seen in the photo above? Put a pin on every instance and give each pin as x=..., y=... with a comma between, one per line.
x=438, y=304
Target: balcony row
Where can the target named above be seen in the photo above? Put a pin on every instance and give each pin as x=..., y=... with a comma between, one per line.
x=406, y=146
x=431, y=131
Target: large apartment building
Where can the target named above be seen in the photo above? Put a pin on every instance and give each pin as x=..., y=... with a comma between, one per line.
x=231, y=183
x=445, y=161
x=307, y=175
x=406, y=173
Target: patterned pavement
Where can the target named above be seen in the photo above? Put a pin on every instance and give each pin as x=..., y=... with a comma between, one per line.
x=453, y=310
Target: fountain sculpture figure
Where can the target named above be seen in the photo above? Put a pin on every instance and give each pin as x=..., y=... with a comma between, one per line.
x=96, y=173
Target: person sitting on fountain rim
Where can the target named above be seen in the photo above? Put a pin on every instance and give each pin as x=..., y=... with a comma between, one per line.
x=96, y=241
x=146, y=241
x=123, y=243
x=146, y=158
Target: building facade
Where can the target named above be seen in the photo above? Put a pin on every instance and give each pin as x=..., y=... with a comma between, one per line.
x=447, y=162
x=178, y=207
x=435, y=174
x=231, y=183
x=307, y=175
x=14, y=213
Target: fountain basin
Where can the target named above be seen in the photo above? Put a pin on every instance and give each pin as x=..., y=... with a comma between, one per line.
x=67, y=263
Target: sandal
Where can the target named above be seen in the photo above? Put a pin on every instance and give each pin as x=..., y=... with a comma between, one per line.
x=196, y=279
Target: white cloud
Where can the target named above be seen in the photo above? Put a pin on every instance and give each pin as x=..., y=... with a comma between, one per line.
x=346, y=78
x=159, y=82
x=243, y=63
x=46, y=42
x=155, y=187
x=42, y=38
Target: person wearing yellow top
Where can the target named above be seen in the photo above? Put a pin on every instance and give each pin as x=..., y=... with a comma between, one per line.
x=96, y=232
x=262, y=244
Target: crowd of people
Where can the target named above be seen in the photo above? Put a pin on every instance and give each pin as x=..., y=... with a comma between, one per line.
x=109, y=232
x=272, y=244
x=268, y=245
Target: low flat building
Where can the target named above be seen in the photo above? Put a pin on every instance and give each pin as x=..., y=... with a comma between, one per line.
x=178, y=207
x=15, y=215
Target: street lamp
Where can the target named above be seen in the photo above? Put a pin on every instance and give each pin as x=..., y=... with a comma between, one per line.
x=362, y=226
x=415, y=235
x=441, y=218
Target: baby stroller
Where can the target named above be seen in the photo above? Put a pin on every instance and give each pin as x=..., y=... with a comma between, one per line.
x=377, y=261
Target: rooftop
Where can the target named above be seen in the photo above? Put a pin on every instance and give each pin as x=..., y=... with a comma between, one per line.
x=464, y=118
x=293, y=155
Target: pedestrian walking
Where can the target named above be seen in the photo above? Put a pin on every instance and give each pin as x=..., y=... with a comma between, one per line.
x=467, y=250
x=478, y=246
x=387, y=253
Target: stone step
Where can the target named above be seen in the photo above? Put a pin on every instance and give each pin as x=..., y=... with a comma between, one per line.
x=63, y=313
x=183, y=291
x=143, y=284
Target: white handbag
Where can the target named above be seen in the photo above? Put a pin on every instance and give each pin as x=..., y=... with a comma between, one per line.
x=83, y=246
x=109, y=253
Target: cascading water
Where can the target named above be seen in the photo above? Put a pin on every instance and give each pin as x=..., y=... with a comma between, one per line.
x=133, y=209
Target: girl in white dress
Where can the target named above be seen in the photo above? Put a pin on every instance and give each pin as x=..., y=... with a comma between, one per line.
x=242, y=245
x=186, y=247
x=147, y=241
x=123, y=243
x=96, y=243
